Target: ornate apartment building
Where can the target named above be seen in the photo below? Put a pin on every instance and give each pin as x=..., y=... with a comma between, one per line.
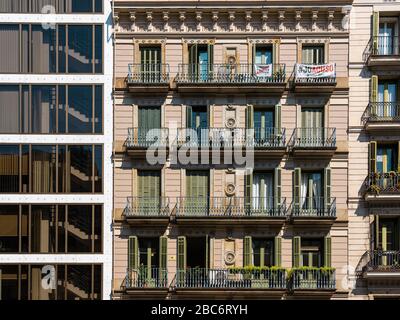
x=55, y=149
x=373, y=213
x=265, y=80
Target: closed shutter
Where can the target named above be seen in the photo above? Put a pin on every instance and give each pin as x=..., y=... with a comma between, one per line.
x=278, y=188
x=296, y=251
x=374, y=89
x=247, y=251
x=197, y=184
x=278, y=118
x=149, y=191
x=297, y=188
x=149, y=117
x=375, y=32
x=182, y=253
x=372, y=156
x=210, y=53
x=249, y=191
x=328, y=252
x=163, y=252
x=278, y=251
x=133, y=253
x=327, y=189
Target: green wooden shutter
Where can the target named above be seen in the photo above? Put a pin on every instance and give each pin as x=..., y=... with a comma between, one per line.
x=278, y=251
x=278, y=117
x=163, y=252
x=374, y=88
x=149, y=117
x=133, y=253
x=377, y=244
x=327, y=189
x=189, y=112
x=250, y=117
x=275, y=52
x=253, y=53
x=207, y=257
x=328, y=252
x=210, y=53
x=372, y=156
x=278, y=188
x=193, y=57
x=182, y=247
x=297, y=188
x=375, y=31
x=248, y=190
x=398, y=155
x=247, y=251
x=296, y=251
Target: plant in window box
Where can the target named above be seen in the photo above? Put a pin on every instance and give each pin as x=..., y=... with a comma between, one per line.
x=374, y=188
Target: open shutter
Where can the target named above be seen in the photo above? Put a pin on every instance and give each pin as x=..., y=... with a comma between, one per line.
x=247, y=248
x=278, y=188
x=189, y=117
x=375, y=32
x=296, y=188
x=398, y=156
x=328, y=252
x=278, y=118
x=248, y=190
x=250, y=117
x=163, y=252
x=275, y=52
x=207, y=257
x=210, y=53
x=133, y=253
x=372, y=156
x=182, y=253
x=377, y=244
x=296, y=251
x=193, y=55
x=327, y=189
x=253, y=53
x=374, y=89
x=278, y=252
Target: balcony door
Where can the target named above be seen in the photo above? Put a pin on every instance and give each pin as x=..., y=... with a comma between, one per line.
x=149, y=118
x=388, y=234
x=264, y=123
x=263, y=191
x=386, y=158
x=197, y=120
x=263, y=55
x=312, y=192
x=149, y=190
x=312, y=127
x=262, y=252
x=313, y=54
x=387, y=97
x=200, y=61
x=311, y=253
x=197, y=192
x=386, y=40
x=150, y=64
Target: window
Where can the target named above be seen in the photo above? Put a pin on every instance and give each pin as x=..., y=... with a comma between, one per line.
x=38, y=49
x=148, y=252
x=40, y=165
x=201, y=59
x=263, y=252
x=312, y=126
x=388, y=36
x=52, y=228
x=149, y=187
x=74, y=282
x=263, y=55
x=51, y=109
x=387, y=157
x=61, y=6
x=313, y=54
x=312, y=191
x=312, y=253
x=388, y=229
x=263, y=191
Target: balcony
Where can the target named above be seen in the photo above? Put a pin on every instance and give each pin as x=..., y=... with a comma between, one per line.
x=231, y=78
x=382, y=117
x=140, y=140
x=313, y=142
x=148, y=77
x=230, y=210
x=241, y=282
x=384, y=52
x=266, y=142
x=144, y=281
x=309, y=78
x=382, y=187
x=382, y=264
x=309, y=278
x=147, y=210
x=315, y=209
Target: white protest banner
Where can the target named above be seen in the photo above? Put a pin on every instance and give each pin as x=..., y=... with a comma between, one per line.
x=263, y=70
x=315, y=71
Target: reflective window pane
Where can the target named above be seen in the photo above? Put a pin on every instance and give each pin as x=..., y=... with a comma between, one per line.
x=43, y=172
x=9, y=282
x=80, y=228
x=44, y=110
x=98, y=49
x=9, y=109
x=9, y=54
x=80, y=49
x=43, y=49
x=80, y=170
x=9, y=168
x=98, y=105
x=80, y=109
x=9, y=240
x=43, y=229
x=98, y=169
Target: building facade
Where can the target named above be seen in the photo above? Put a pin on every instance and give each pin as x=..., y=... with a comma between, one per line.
x=374, y=72
x=265, y=81
x=55, y=149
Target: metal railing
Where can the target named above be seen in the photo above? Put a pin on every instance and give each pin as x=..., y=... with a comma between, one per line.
x=384, y=45
x=313, y=279
x=144, y=277
x=317, y=79
x=266, y=137
x=231, y=207
x=148, y=73
x=230, y=74
x=211, y=137
x=146, y=137
x=314, y=207
x=383, y=182
x=382, y=111
x=230, y=278
x=384, y=261
x=314, y=138
x=147, y=207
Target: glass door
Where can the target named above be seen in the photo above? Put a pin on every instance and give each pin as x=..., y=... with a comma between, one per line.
x=264, y=127
x=312, y=130
x=150, y=64
x=386, y=158
x=262, y=190
x=312, y=193
x=386, y=38
x=387, y=98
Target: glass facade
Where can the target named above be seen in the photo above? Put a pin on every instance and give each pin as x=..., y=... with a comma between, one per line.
x=43, y=6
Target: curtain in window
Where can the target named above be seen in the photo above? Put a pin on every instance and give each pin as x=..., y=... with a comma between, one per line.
x=317, y=188
x=9, y=50
x=312, y=126
x=303, y=190
x=263, y=191
x=9, y=109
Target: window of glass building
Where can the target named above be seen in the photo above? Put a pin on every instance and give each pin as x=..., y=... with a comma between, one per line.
x=59, y=6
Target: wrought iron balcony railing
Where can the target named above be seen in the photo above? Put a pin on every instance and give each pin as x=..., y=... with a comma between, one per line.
x=384, y=45
x=383, y=261
x=144, y=277
x=266, y=137
x=235, y=278
x=314, y=207
x=233, y=74
x=231, y=207
x=147, y=207
x=382, y=112
x=313, y=278
x=383, y=182
x=315, y=73
x=148, y=73
x=314, y=138
x=145, y=138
